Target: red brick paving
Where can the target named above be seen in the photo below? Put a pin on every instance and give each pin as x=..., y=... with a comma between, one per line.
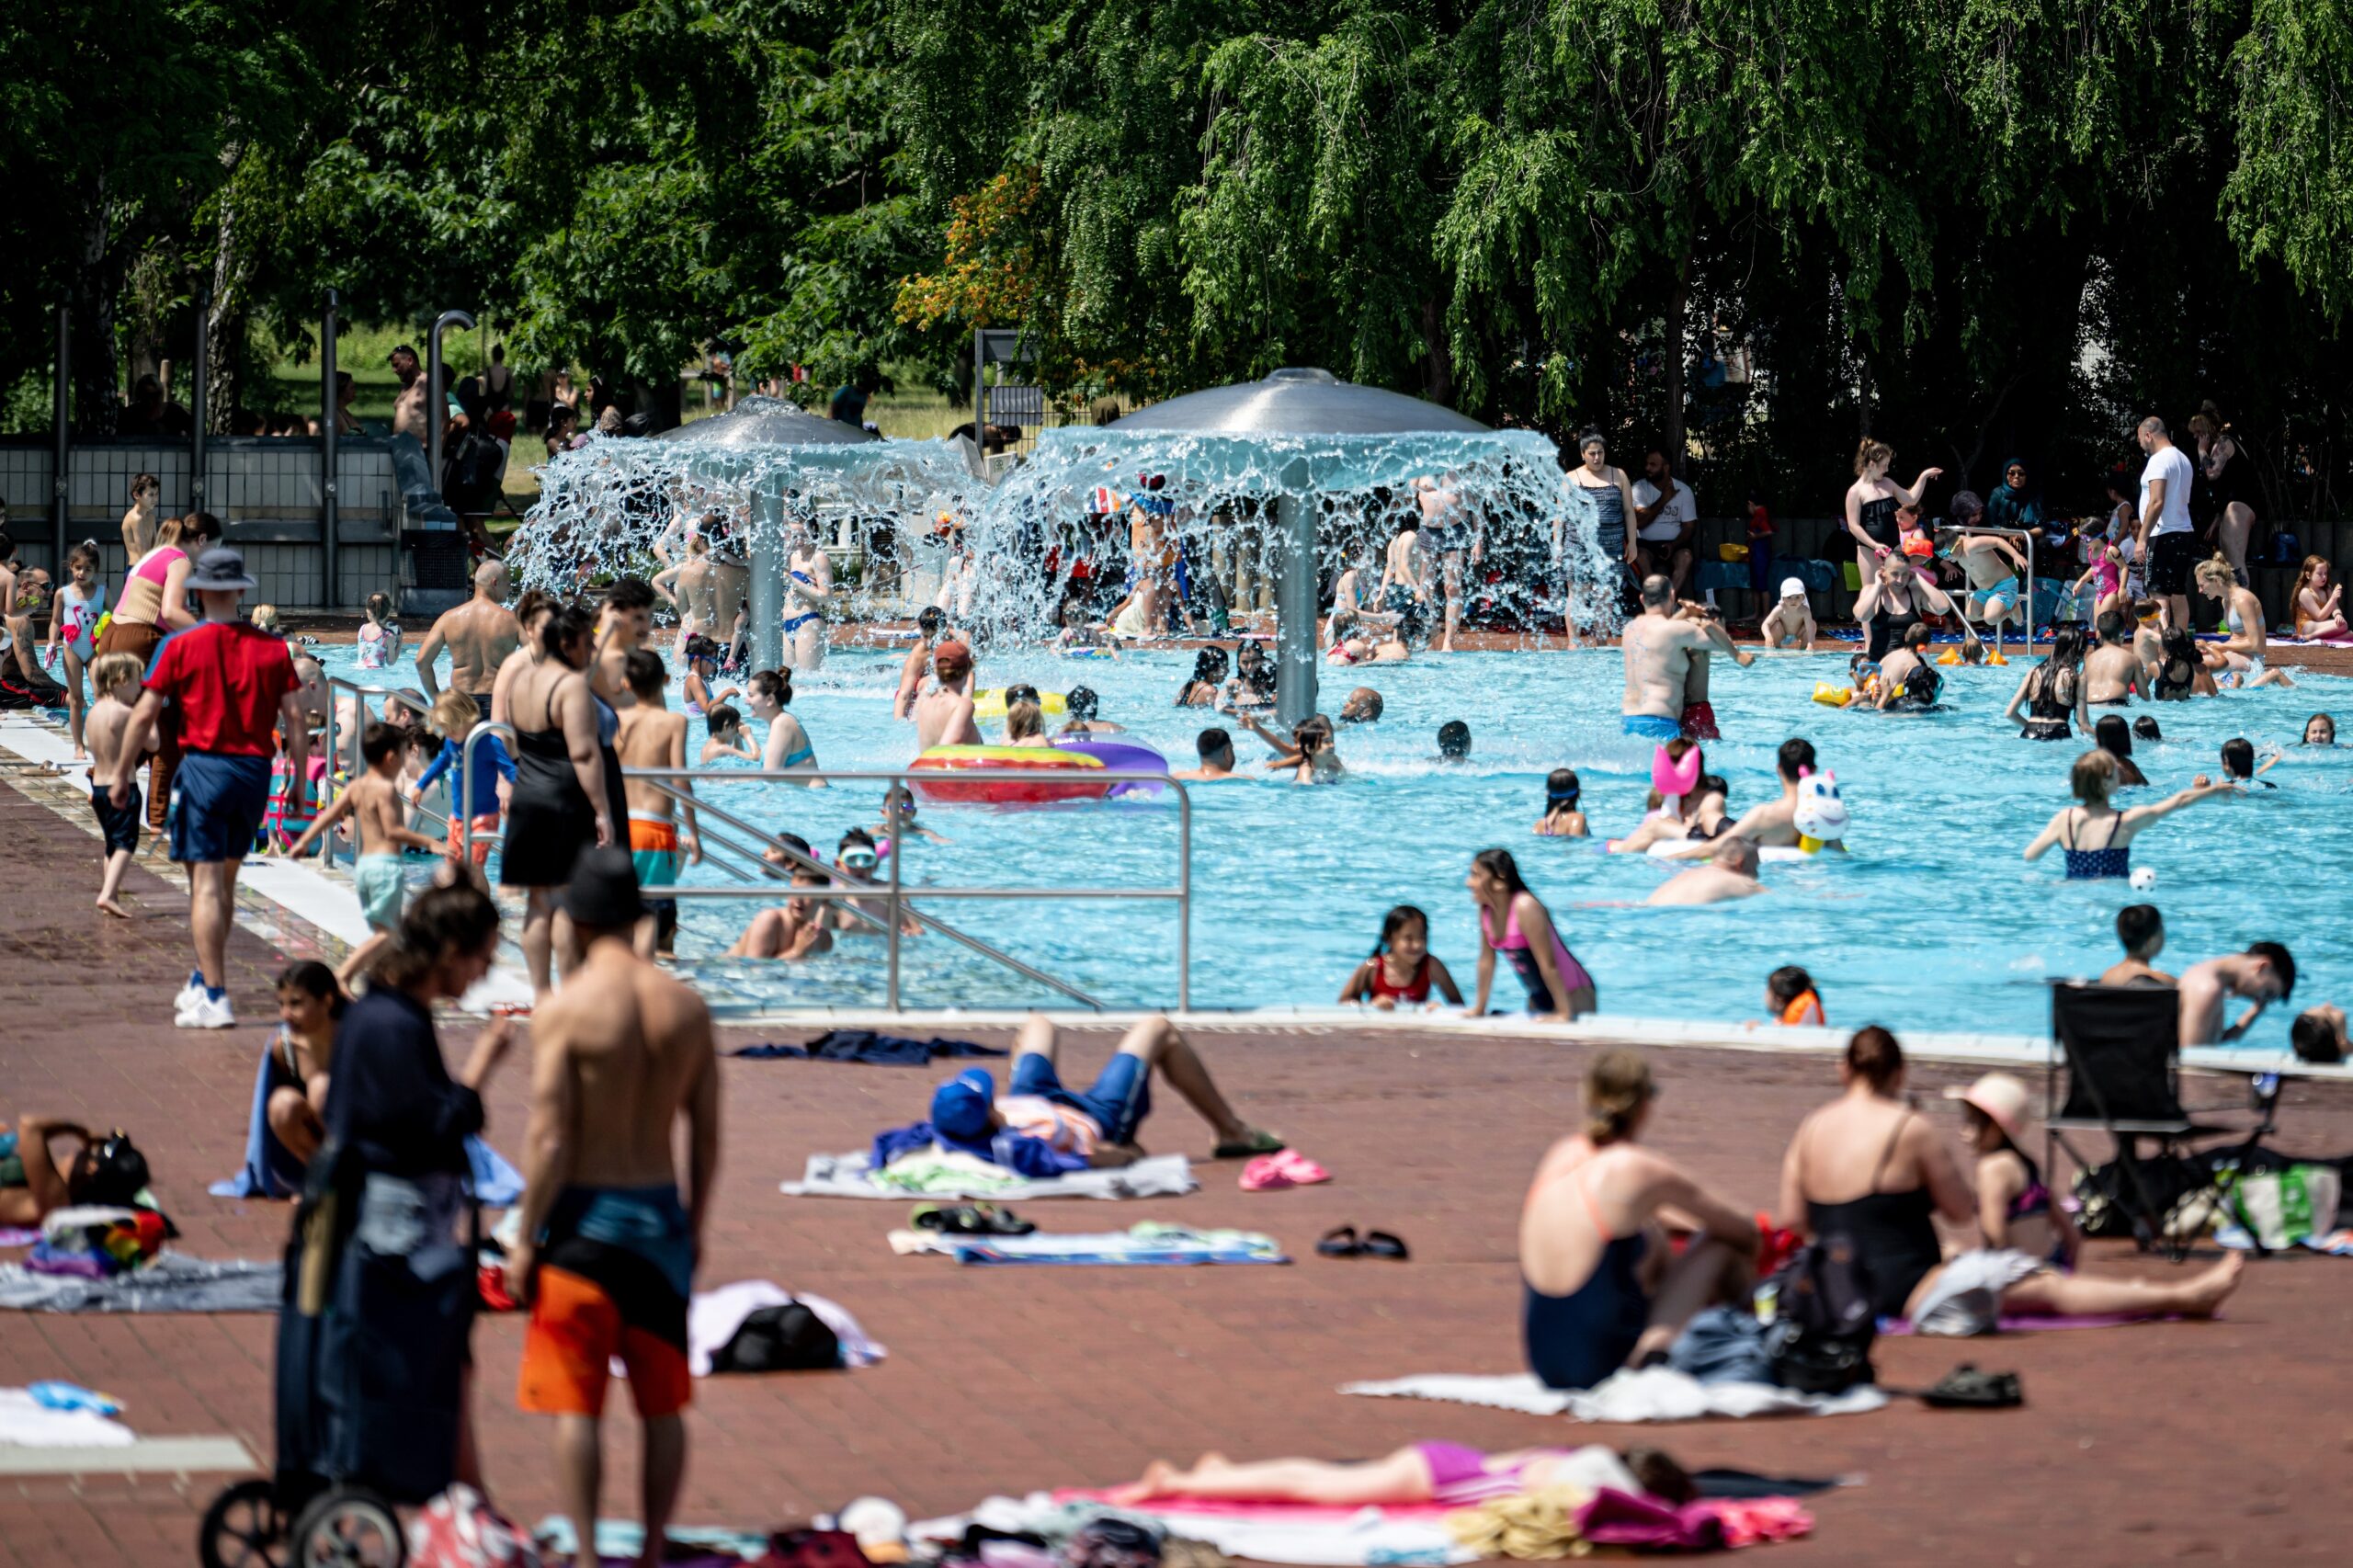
x=2225, y=1441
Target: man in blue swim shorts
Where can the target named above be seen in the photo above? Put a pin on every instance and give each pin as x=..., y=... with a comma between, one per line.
x=1040, y=1129
x=1659, y=646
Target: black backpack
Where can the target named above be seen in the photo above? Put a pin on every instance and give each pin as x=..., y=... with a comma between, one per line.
x=470, y=473
x=790, y=1338
x=1823, y=1324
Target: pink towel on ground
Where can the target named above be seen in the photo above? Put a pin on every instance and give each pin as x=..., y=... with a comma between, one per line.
x=1263, y=1512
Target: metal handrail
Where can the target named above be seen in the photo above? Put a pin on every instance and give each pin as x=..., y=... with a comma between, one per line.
x=335, y=684
x=892, y=892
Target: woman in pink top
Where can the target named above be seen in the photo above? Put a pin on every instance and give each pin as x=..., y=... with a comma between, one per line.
x=1558, y=986
x=153, y=603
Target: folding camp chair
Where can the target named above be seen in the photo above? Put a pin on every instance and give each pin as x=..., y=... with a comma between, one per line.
x=2120, y=1048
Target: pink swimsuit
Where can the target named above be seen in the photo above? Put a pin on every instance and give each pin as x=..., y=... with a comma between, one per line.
x=1522, y=958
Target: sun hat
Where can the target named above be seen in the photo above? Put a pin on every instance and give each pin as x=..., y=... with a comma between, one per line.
x=959, y=1108
x=603, y=890
x=1793, y=587
x=221, y=570
x=2002, y=1097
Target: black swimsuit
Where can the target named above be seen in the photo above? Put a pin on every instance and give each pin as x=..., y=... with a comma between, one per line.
x=2047, y=707
x=1878, y=520
x=1893, y=1232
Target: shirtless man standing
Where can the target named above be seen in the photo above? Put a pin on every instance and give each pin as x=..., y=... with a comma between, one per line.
x=2265, y=973
x=653, y=736
x=731, y=582
x=2112, y=671
x=808, y=587
x=480, y=634
x=607, y=1258
x=627, y=621
x=944, y=714
x=1404, y=593
x=1658, y=648
x=691, y=589
x=408, y=403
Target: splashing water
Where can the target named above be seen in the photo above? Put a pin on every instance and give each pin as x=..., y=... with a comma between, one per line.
x=1210, y=524
x=604, y=506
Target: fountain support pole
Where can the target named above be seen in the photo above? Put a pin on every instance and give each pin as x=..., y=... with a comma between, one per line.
x=768, y=575
x=1295, y=607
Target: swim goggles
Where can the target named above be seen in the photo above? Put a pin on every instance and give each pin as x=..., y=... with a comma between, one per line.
x=859, y=860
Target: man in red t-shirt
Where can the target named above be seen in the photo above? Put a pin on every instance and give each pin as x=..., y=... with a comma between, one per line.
x=230, y=686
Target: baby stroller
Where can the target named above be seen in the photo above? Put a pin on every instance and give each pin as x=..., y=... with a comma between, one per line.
x=372, y=1338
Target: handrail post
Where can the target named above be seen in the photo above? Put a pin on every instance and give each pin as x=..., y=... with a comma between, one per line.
x=1185, y=898
x=898, y=843
x=326, y=840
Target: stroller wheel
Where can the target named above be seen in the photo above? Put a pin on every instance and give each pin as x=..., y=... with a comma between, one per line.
x=347, y=1527
x=243, y=1528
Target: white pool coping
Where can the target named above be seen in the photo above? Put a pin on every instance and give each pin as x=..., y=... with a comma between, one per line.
x=145, y=1456
x=329, y=902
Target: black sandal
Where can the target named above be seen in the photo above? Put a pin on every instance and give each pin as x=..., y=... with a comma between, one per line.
x=970, y=1220
x=1380, y=1244
x=1340, y=1243
x=1966, y=1388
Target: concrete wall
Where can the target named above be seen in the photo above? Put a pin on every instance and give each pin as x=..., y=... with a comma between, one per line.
x=265, y=492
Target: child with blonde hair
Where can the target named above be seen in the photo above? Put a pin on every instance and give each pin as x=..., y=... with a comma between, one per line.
x=115, y=677
x=477, y=794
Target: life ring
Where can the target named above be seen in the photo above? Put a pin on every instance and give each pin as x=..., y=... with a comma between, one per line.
x=1062, y=775
x=1120, y=754
x=989, y=704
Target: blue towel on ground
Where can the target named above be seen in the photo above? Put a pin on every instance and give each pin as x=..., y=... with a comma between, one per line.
x=865, y=1046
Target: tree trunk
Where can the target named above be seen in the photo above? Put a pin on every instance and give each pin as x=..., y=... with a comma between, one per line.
x=225, y=325
x=1678, y=298
x=97, y=402
x=1437, y=376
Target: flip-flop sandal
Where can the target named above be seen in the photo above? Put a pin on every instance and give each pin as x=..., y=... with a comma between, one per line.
x=1340, y=1243
x=1967, y=1387
x=1259, y=1142
x=1269, y=1172
x=1380, y=1244
x=969, y=1220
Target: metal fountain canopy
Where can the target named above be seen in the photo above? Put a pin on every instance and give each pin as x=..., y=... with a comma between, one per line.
x=760, y=421
x=1305, y=431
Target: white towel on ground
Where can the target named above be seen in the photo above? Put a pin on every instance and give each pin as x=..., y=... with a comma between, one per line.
x=26, y=1423
x=1653, y=1394
x=846, y=1176
x=713, y=1316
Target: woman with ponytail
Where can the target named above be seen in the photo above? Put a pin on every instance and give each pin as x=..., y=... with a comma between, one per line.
x=1603, y=1289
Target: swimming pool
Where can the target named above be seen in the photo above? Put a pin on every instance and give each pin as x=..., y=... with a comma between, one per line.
x=1932, y=922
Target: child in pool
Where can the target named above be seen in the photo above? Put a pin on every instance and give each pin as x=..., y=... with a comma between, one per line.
x=726, y=737
x=379, y=639
x=1454, y=741
x=702, y=664
x=1309, y=753
x=1402, y=971
x=1790, y=998
x=898, y=821
x=1561, y=818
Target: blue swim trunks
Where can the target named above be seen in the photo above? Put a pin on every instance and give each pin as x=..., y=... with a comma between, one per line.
x=1118, y=1101
x=216, y=806
x=1653, y=727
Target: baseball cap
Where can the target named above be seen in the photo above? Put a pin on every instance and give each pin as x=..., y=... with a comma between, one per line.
x=959, y=1108
x=951, y=655
x=1793, y=587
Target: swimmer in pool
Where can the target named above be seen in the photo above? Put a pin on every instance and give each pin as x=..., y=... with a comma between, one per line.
x=1513, y=921
x=1905, y=675
x=1216, y=749
x=1080, y=706
x=1402, y=972
x=1308, y=754
x=899, y=822
x=1561, y=818
x=2113, y=673
x=1731, y=873
x=1362, y=707
x=1671, y=814
x=1253, y=686
x=2144, y=728
x=930, y=625
x=2142, y=929
x=1775, y=823
x=2238, y=764
x=2115, y=737
x=1454, y=741
x=1658, y=645
x=1025, y=724
x=799, y=930
x=1353, y=642
x=2263, y=974
x=1209, y=673
x=1789, y=624
x=2320, y=730
x=725, y=737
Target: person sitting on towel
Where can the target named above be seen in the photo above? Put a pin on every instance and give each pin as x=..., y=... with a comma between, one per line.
x=1603, y=1289
x=1040, y=1129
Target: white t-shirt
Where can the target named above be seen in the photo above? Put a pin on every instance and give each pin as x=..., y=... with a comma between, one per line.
x=2172, y=466
x=1673, y=515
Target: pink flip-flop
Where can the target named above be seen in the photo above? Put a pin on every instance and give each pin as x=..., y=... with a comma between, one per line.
x=1269, y=1172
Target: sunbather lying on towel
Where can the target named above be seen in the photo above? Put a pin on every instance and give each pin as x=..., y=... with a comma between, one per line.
x=34, y=1181
x=1040, y=1128
x=1445, y=1474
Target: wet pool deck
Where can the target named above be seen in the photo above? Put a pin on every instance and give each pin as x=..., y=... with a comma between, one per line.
x=2225, y=1441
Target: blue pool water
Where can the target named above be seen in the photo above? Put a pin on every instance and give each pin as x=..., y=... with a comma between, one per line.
x=1932, y=922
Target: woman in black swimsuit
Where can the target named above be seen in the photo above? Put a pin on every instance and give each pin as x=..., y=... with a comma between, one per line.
x=562, y=803
x=2050, y=692
x=1872, y=501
